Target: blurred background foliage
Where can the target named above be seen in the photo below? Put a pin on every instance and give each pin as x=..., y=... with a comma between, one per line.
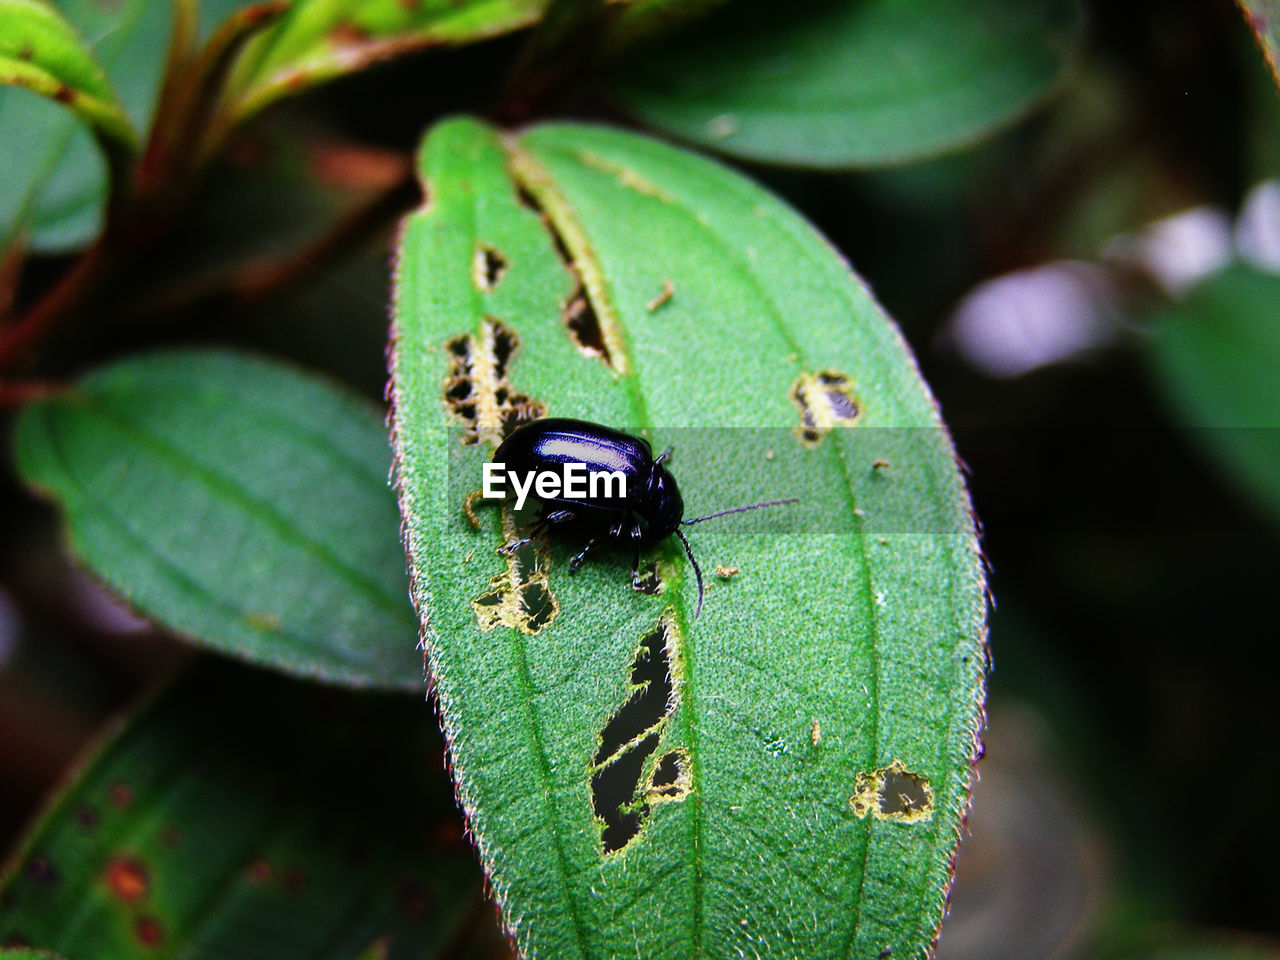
x=1092, y=295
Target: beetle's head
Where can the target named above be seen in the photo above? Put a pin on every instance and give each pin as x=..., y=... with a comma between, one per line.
x=663, y=506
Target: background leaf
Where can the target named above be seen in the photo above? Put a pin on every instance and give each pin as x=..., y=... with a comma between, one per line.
x=321, y=39
x=836, y=657
x=1216, y=354
x=640, y=19
x=39, y=50
x=54, y=183
x=239, y=503
x=1264, y=19
x=243, y=815
x=837, y=84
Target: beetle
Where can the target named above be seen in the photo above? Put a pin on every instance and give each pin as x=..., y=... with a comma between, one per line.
x=650, y=510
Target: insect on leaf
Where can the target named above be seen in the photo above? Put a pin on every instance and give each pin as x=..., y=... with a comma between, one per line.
x=786, y=775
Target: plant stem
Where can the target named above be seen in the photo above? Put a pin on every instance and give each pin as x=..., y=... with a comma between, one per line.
x=20, y=392
x=66, y=294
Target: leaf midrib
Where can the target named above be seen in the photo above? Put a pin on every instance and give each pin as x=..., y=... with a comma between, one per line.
x=560, y=213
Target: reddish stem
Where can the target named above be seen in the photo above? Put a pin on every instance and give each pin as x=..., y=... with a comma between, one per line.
x=31, y=327
x=21, y=392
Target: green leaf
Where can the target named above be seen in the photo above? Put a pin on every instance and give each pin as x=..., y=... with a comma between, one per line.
x=241, y=815
x=838, y=84
x=641, y=19
x=23, y=953
x=1215, y=356
x=238, y=502
x=1264, y=19
x=40, y=51
x=842, y=654
x=318, y=40
x=54, y=182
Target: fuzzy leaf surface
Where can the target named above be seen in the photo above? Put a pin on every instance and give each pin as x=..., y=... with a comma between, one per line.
x=837, y=84
x=239, y=503
x=244, y=815
x=845, y=650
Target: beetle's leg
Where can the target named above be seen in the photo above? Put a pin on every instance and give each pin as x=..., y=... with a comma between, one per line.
x=535, y=531
x=665, y=455
x=636, y=582
x=511, y=546
x=576, y=561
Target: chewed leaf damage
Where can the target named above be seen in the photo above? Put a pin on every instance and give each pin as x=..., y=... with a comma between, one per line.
x=825, y=400
x=623, y=793
x=519, y=597
x=479, y=395
x=477, y=391
x=893, y=793
x=488, y=267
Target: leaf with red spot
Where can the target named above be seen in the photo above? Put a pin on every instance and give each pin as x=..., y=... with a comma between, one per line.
x=245, y=815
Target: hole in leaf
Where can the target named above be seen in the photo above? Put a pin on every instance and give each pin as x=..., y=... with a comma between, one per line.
x=893, y=793
x=488, y=268
x=825, y=401
x=628, y=740
x=520, y=596
x=477, y=393
x=613, y=791
x=650, y=702
x=670, y=779
x=666, y=771
x=648, y=582
x=578, y=313
x=584, y=326
x=903, y=794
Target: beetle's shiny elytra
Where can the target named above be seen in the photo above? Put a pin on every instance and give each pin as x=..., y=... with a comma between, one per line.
x=650, y=510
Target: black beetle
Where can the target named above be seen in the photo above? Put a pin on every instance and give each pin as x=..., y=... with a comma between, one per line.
x=650, y=508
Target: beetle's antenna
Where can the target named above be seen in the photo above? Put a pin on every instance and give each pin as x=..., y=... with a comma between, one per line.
x=750, y=506
x=697, y=571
